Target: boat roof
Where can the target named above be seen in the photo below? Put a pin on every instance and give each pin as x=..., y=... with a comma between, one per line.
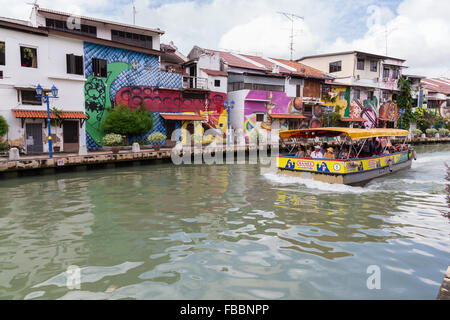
x=354, y=133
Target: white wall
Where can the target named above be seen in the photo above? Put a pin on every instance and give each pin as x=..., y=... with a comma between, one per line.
x=51, y=70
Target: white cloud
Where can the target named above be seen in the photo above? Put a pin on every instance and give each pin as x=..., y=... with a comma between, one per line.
x=418, y=29
x=418, y=33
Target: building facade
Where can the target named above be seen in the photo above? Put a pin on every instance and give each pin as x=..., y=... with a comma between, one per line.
x=366, y=82
x=30, y=56
x=268, y=94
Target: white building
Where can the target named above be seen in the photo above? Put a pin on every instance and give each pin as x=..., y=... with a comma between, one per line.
x=30, y=56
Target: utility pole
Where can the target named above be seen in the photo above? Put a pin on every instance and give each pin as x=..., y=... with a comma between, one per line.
x=134, y=13
x=292, y=17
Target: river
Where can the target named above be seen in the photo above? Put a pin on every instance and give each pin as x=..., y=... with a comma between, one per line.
x=224, y=232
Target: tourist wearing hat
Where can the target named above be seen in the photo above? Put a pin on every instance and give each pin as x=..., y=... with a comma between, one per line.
x=329, y=154
x=316, y=154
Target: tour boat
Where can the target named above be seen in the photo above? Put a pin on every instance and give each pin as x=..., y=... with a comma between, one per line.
x=350, y=171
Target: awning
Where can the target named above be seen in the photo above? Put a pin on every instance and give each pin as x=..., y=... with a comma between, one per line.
x=40, y=114
x=287, y=116
x=353, y=133
x=180, y=116
x=353, y=119
x=385, y=119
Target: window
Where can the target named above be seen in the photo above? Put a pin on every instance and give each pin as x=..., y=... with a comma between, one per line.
x=307, y=109
x=395, y=73
x=68, y=27
x=373, y=66
x=356, y=94
x=385, y=73
x=74, y=64
x=99, y=67
x=369, y=95
x=360, y=64
x=29, y=97
x=28, y=57
x=335, y=66
x=216, y=83
x=133, y=39
x=385, y=96
x=264, y=87
x=2, y=53
x=259, y=117
x=342, y=95
x=235, y=86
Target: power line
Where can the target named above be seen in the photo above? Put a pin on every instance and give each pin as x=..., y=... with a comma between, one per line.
x=292, y=17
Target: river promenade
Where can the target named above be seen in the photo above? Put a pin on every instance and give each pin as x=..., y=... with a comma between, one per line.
x=42, y=164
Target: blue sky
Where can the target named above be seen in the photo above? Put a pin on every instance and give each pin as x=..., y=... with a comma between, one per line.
x=416, y=27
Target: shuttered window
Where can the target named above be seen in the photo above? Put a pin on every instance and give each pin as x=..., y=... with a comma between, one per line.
x=74, y=64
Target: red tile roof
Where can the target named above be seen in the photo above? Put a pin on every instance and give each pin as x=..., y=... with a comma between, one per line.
x=263, y=64
x=39, y=114
x=214, y=72
x=441, y=85
x=353, y=119
x=303, y=69
x=288, y=116
x=180, y=116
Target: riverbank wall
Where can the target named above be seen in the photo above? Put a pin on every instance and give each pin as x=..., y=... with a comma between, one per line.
x=61, y=162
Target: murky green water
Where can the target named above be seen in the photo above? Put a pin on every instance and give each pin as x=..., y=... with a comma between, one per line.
x=224, y=232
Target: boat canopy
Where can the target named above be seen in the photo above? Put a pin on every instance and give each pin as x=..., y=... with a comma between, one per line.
x=354, y=133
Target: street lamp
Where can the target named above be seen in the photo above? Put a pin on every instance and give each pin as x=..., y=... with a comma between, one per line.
x=328, y=110
x=46, y=98
x=229, y=106
x=402, y=112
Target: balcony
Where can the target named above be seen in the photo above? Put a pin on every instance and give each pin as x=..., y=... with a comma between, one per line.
x=195, y=83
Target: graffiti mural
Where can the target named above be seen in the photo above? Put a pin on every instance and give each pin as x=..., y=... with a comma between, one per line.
x=273, y=102
x=389, y=110
x=444, y=109
x=134, y=78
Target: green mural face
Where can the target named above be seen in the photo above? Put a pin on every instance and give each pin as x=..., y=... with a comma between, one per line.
x=97, y=99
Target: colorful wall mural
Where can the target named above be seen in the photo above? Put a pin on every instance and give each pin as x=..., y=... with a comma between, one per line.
x=135, y=78
x=273, y=102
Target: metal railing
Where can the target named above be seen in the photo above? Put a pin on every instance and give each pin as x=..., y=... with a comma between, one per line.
x=195, y=83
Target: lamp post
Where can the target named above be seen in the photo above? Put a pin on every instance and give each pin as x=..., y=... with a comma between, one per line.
x=402, y=112
x=328, y=110
x=46, y=98
x=229, y=106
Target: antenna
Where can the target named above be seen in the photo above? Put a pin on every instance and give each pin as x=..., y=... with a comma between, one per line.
x=134, y=13
x=292, y=17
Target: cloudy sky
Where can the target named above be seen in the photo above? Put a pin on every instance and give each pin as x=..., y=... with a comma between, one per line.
x=415, y=30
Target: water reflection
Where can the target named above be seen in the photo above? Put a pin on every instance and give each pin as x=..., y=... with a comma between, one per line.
x=221, y=232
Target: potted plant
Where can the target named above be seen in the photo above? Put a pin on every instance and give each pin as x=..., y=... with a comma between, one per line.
x=113, y=140
x=443, y=132
x=417, y=133
x=431, y=132
x=156, y=138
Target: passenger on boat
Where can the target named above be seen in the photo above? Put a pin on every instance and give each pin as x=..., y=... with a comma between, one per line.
x=329, y=154
x=316, y=154
x=323, y=148
x=309, y=151
x=378, y=149
x=301, y=152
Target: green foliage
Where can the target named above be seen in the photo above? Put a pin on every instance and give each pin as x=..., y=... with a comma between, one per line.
x=122, y=120
x=417, y=132
x=156, y=137
x=443, y=131
x=58, y=121
x=335, y=118
x=112, y=139
x=3, y=126
x=427, y=119
x=431, y=131
x=404, y=100
x=4, y=146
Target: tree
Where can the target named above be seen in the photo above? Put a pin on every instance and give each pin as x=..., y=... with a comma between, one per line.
x=335, y=118
x=3, y=126
x=122, y=120
x=405, y=101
